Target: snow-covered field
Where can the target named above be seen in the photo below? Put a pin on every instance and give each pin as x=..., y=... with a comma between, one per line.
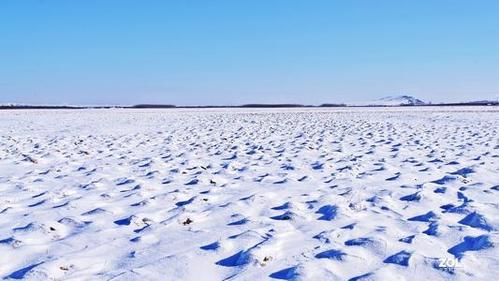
x=233, y=194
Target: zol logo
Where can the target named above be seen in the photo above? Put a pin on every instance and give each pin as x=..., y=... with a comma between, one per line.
x=449, y=262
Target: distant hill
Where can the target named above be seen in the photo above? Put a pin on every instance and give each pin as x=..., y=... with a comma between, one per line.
x=401, y=100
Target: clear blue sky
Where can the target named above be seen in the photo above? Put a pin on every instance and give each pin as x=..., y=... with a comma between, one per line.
x=233, y=52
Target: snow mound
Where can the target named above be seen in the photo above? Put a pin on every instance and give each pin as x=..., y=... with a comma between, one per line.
x=402, y=100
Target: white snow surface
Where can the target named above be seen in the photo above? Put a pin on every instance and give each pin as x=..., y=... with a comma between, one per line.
x=237, y=194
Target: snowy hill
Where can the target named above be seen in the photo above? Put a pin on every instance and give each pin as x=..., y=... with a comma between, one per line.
x=393, y=101
x=401, y=100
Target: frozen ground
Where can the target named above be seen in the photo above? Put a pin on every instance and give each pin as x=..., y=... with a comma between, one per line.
x=359, y=194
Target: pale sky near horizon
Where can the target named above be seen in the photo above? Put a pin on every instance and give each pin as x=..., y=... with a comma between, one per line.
x=233, y=52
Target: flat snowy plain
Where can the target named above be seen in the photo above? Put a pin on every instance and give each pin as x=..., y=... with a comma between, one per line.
x=264, y=194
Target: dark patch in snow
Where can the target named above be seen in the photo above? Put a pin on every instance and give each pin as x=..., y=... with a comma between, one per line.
x=289, y=273
x=239, y=222
x=430, y=216
x=471, y=243
x=407, y=239
x=432, y=229
x=125, y=221
x=477, y=221
x=20, y=274
x=284, y=206
x=211, y=247
x=463, y=172
x=283, y=217
x=358, y=241
x=400, y=258
x=238, y=259
x=328, y=212
x=444, y=180
x=361, y=277
x=411, y=197
x=331, y=254
x=186, y=202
